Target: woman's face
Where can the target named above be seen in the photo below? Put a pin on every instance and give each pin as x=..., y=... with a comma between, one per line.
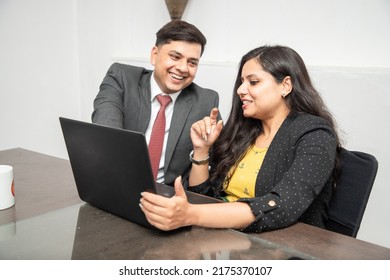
x=260, y=94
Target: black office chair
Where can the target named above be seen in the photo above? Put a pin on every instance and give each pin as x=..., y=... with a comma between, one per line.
x=349, y=200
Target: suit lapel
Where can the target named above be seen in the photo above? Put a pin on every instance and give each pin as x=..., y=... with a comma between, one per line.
x=181, y=111
x=269, y=169
x=145, y=104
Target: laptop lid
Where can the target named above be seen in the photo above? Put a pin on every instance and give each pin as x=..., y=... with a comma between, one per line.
x=111, y=168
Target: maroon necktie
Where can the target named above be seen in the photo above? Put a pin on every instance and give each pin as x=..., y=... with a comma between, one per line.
x=158, y=132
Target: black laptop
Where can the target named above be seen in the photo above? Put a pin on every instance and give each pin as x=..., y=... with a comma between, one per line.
x=111, y=168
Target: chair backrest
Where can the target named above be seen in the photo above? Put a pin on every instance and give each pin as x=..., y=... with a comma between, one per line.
x=349, y=200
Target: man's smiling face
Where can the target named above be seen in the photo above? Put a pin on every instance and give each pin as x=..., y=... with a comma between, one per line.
x=175, y=64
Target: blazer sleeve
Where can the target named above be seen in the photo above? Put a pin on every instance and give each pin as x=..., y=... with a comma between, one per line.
x=109, y=102
x=314, y=151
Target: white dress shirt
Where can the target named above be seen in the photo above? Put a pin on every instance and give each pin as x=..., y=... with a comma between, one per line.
x=155, y=107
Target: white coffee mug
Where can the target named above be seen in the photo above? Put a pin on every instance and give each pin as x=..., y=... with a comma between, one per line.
x=7, y=191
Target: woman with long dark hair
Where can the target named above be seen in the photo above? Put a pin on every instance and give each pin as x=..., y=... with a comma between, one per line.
x=274, y=161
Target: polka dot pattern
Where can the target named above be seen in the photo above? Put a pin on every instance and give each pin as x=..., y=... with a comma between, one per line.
x=296, y=175
x=294, y=180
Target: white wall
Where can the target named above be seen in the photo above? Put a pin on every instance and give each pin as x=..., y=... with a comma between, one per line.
x=38, y=72
x=54, y=54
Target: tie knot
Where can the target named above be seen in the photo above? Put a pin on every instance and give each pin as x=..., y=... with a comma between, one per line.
x=164, y=99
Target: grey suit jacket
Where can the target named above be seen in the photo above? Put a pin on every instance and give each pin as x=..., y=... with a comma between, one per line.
x=124, y=102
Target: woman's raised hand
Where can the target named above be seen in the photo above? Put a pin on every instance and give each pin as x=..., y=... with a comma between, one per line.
x=205, y=131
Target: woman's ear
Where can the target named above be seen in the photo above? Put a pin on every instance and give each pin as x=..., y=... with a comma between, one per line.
x=286, y=86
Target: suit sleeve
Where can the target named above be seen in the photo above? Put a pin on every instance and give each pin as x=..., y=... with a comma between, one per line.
x=108, y=104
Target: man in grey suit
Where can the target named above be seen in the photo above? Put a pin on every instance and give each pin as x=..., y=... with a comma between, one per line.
x=127, y=96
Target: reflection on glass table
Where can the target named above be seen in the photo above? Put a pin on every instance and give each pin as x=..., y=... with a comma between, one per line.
x=85, y=232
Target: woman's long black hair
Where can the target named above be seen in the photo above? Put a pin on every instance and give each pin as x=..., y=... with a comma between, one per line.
x=240, y=132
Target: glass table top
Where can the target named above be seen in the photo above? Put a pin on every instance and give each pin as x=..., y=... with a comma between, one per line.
x=85, y=232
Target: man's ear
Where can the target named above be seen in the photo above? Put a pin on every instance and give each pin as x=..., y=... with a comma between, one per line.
x=153, y=54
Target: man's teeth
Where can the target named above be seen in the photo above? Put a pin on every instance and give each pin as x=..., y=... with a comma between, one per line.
x=177, y=77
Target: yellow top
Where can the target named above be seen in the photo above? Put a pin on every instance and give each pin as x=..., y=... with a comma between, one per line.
x=242, y=183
